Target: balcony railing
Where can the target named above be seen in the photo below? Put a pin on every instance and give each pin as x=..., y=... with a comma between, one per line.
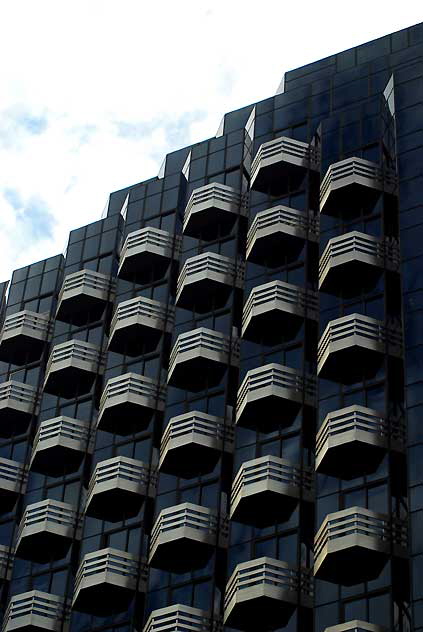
x=201, y=356
x=180, y=618
x=210, y=206
x=264, y=389
x=193, y=442
x=207, y=279
x=23, y=336
x=118, y=487
x=13, y=480
x=6, y=563
x=278, y=232
x=84, y=292
x=72, y=368
x=147, y=253
x=356, y=626
x=18, y=403
x=128, y=403
x=35, y=611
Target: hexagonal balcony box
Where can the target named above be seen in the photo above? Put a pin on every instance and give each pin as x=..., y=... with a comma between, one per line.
x=18, y=403
x=138, y=324
x=264, y=593
x=107, y=581
x=267, y=490
x=184, y=537
x=272, y=395
x=147, y=253
x=84, y=293
x=192, y=443
x=201, y=357
x=211, y=206
x=280, y=161
x=353, y=545
x=118, y=487
x=23, y=336
x=207, y=280
x=72, y=368
x=128, y=403
x=180, y=618
x=356, y=626
x=275, y=308
x=352, y=441
x=60, y=446
x=353, y=263
x=13, y=480
x=36, y=611
x=354, y=184
x=46, y=530
x=354, y=346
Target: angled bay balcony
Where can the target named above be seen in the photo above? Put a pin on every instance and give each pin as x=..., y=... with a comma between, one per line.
x=13, y=480
x=210, y=207
x=18, y=403
x=72, y=368
x=23, y=336
x=107, y=581
x=262, y=594
x=84, y=295
x=352, y=441
x=200, y=357
x=138, y=324
x=180, y=618
x=354, y=544
x=184, y=536
x=267, y=490
x=353, y=185
x=280, y=161
x=353, y=262
x=128, y=403
x=36, y=611
x=192, y=443
x=207, y=280
x=272, y=395
x=354, y=347
x=118, y=487
x=46, y=531
x=60, y=446
x=6, y=563
x=356, y=626
x=277, y=309
x=279, y=232
x=146, y=254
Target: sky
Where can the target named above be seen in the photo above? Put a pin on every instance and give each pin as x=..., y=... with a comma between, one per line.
x=94, y=93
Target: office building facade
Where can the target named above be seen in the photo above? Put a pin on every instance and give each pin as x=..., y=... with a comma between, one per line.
x=210, y=409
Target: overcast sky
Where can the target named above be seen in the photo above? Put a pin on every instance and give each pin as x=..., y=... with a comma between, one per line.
x=94, y=93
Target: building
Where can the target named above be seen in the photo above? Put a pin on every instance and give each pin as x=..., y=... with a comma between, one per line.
x=210, y=416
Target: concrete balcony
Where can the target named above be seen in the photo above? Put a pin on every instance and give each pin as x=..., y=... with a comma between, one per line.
x=36, y=611
x=128, y=403
x=353, y=263
x=72, y=368
x=267, y=490
x=118, y=487
x=279, y=232
x=23, y=337
x=107, y=581
x=277, y=308
x=192, y=443
x=6, y=563
x=60, y=446
x=13, y=480
x=18, y=403
x=46, y=531
x=207, y=280
x=210, y=207
x=352, y=441
x=147, y=253
x=180, y=618
x=353, y=185
x=262, y=594
x=354, y=347
x=138, y=324
x=200, y=357
x=353, y=545
x=281, y=161
x=272, y=395
x=84, y=295
x=184, y=537
x=356, y=626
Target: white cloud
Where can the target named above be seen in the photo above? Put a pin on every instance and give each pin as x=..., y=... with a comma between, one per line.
x=72, y=72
